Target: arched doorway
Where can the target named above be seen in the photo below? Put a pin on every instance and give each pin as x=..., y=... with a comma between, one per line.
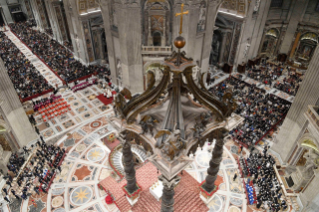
x=157, y=39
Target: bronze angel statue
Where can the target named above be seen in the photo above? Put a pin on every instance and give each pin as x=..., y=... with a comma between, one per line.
x=173, y=143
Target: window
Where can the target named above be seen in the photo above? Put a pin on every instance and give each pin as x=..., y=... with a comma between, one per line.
x=276, y=3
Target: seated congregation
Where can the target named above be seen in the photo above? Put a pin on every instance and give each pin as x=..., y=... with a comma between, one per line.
x=32, y=171
x=55, y=55
x=25, y=78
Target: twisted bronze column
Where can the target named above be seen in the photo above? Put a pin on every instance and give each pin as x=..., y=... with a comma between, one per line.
x=129, y=169
x=168, y=193
x=214, y=163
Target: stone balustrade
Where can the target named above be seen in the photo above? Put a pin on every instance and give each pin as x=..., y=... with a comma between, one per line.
x=161, y=50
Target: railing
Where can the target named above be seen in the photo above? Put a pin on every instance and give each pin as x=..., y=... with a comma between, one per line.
x=165, y=50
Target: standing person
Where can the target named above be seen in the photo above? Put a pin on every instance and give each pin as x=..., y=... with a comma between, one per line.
x=37, y=130
x=5, y=191
x=42, y=139
x=235, y=176
x=6, y=199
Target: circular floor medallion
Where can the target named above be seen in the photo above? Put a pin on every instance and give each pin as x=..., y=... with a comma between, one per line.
x=95, y=124
x=215, y=205
x=233, y=209
x=80, y=148
x=96, y=154
x=57, y=201
x=203, y=158
x=81, y=195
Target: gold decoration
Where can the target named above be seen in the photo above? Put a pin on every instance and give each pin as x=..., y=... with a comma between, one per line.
x=181, y=22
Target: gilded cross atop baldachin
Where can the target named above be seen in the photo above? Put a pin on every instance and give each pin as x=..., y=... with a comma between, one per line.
x=181, y=14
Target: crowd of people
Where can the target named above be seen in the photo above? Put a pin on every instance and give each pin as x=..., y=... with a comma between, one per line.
x=261, y=111
x=266, y=73
x=26, y=79
x=262, y=178
x=57, y=57
x=36, y=175
x=291, y=84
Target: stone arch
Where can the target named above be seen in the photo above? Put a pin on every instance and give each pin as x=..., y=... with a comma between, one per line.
x=300, y=149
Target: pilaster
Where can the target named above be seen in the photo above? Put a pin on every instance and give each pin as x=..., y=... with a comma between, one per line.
x=298, y=10
x=53, y=21
x=258, y=30
x=292, y=128
x=13, y=112
x=6, y=11
x=105, y=9
x=130, y=39
x=76, y=31
x=212, y=10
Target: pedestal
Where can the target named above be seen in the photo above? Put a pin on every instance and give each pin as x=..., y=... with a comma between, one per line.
x=205, y=195
x=132, y=197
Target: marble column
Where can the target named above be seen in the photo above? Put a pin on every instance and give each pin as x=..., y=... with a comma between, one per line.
x=293, y=126
x=168, y=193
x=13, y=112
x=130, y=41
x=105, y=9
x=212, y=10
x=298, y=8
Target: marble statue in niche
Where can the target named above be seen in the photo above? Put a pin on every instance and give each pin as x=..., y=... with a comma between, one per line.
x=202, y=17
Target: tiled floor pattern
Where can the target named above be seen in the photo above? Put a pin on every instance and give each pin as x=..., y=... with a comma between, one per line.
x=83, y=108
x=76, y=187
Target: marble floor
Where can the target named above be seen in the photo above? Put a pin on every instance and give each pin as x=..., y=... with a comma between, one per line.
x=87, y=163
x=85, y=131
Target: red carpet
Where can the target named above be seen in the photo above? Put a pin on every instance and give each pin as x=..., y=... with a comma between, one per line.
x=105, y=100
x=186, y=193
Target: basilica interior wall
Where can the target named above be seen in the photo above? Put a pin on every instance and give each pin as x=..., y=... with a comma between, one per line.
x=6, y=11
x=277, y=12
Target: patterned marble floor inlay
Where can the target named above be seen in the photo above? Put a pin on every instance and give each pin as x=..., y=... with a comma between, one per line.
x=81, y=195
